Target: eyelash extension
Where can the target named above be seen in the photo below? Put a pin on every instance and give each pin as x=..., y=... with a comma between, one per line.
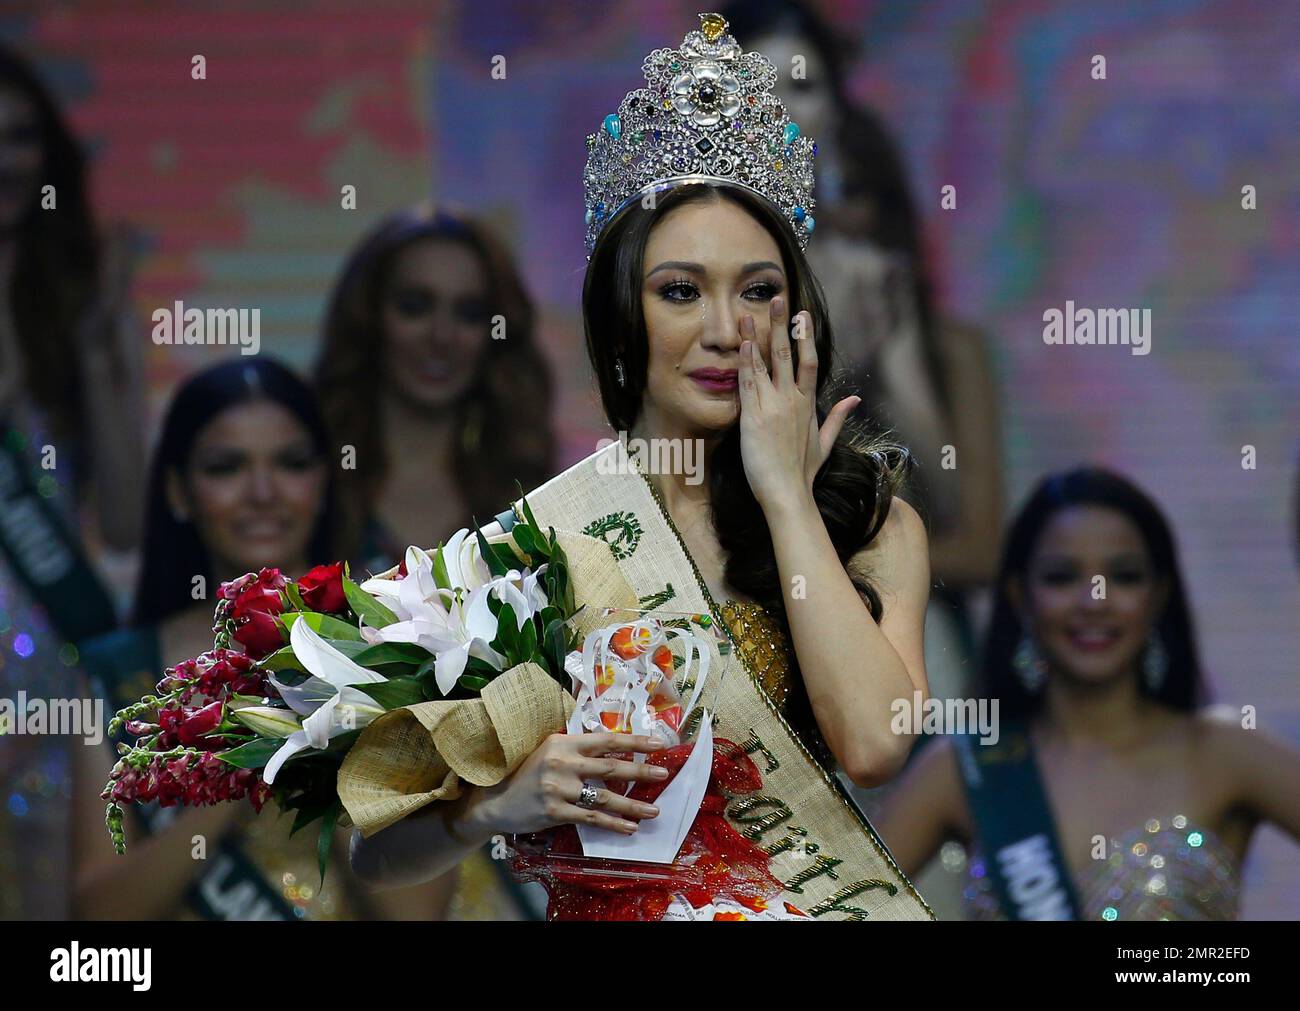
x=773, y=289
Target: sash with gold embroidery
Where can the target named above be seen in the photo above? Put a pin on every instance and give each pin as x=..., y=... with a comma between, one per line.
x=827, y=856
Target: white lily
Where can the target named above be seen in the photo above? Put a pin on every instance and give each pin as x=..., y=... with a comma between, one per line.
x=459, y=558
x=527, y=598
x=328, y=700
x=453, y=622
x=267, y=721
x=452, y=631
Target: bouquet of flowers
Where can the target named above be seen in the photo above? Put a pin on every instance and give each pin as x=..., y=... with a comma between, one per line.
x=299, y=668
x=347, y=702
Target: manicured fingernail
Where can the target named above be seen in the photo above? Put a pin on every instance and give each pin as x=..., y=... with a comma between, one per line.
x=627, y=827
x=658, y=771
x=747, y=326
x=649, y=810
x=778, y=306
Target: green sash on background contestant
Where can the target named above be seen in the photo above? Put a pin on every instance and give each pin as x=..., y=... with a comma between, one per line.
x=1022, y=855
x=44, y=552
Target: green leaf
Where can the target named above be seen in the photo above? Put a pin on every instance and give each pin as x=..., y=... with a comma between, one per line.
x=308, y=813
x=350, y=648
x=494, y=563
x=556, y=647
x=528, y=640
x=527, y=509
x=506, y=556
x=253, y=755
x=326, y=625
x=440, y=577
x=481, y=666
x=326, y=838
x=366, y=607
x=295, y=596
x=391, y=652
x=281, y=659
x=523, y=536
x=395, y=692
x=474, y=682
x=507, y=640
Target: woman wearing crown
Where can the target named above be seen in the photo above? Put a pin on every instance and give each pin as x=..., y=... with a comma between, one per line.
x=704, y=322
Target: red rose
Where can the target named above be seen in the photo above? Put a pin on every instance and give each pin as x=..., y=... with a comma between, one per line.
x=258, y=632
x=322, y=589
x=197, y=723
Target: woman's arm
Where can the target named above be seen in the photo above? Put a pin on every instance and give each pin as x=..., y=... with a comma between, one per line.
x=853, y=668
x=1264, y=771
x=424, y=845
x=925, y=808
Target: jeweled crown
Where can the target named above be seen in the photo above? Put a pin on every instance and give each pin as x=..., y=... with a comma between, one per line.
x=708, y=115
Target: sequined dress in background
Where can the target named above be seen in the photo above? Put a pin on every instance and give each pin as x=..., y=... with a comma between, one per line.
x=35, y=771
x=1167, y=869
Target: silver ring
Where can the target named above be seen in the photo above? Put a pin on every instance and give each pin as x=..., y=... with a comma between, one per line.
x=587, y=798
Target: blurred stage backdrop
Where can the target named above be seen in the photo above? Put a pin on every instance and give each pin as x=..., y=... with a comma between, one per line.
x=1125, y=192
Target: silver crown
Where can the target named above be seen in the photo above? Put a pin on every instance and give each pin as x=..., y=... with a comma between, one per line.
x=708, y=115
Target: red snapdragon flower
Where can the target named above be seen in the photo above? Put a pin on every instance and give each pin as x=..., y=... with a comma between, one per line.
x=251, y=603
x=198, y=723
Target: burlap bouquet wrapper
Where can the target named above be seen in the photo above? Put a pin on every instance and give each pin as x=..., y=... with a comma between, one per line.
x=410, y=757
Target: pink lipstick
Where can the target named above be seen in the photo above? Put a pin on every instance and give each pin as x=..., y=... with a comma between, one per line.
x=716, y=380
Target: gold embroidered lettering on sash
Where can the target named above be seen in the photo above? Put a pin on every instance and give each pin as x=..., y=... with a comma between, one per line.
x=742, y=813
x=626, y=528
x=755, y=744
x=652, y=600
x=795, y=840
x=693, y=722
x=832, y=903
x=821, y=865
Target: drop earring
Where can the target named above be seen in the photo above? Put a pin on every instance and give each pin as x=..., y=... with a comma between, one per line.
x=619, y=374
x=1029, y=664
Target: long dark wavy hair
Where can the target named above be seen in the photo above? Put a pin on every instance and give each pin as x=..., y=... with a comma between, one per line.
x=173, y=552
x=56, y=271
x=854, y=487
x=507, y=407
x=1183, y=687
x=874, y=170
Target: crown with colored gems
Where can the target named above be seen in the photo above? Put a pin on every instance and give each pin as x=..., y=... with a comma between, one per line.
x=707, y=115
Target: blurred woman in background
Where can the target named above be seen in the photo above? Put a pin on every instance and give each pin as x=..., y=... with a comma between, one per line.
x=430, y=367
x=1110, y=793
x=432, y=382
x=243, y=478
x=70, y=458
x=922, y=374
